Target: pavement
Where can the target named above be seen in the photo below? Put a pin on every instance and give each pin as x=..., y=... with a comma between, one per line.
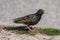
x=10, y=9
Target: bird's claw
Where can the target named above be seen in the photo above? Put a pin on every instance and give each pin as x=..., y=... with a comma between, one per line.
x=32, y=31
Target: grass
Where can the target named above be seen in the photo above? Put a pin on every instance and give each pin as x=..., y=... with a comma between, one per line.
x=46, y=31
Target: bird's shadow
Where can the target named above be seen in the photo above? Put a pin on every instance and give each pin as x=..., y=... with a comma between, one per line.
x=16, y=28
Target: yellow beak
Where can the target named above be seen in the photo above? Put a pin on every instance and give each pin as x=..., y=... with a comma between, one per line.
x=45, y=12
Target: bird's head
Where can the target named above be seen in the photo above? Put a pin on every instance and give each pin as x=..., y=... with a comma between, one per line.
x=41, y=11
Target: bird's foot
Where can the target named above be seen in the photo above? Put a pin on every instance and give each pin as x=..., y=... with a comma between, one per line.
x=32, y=31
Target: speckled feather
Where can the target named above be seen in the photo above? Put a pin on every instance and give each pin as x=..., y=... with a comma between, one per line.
x=31, y=19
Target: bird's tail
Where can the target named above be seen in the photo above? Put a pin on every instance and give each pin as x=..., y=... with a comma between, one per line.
x=16, y=21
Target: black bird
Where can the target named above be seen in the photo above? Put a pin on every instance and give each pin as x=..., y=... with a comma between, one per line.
x=31, y=19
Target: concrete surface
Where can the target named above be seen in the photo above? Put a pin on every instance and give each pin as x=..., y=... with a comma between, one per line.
x=10, y=9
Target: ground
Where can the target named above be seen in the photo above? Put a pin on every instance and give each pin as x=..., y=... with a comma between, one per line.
x=9, y=35
x=6, y=35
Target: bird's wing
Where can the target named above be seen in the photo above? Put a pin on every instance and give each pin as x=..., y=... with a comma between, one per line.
x=27, y=18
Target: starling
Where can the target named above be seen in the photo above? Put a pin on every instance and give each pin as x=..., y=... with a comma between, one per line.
x=31, y=19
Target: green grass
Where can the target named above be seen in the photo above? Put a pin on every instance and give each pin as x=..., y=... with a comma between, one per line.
x=46, y=31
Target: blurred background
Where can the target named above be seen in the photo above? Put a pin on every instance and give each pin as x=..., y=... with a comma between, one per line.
x=10, y=9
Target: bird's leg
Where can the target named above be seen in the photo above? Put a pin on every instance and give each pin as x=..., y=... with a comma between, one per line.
x=29, y=28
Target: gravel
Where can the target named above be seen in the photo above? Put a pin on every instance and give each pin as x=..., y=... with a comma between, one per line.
x=8, y=35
